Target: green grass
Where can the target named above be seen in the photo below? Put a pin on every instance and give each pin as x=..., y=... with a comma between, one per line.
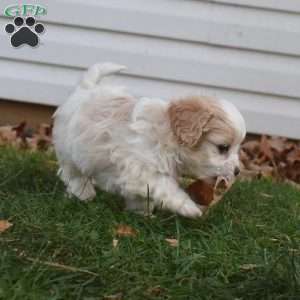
x=247, y=248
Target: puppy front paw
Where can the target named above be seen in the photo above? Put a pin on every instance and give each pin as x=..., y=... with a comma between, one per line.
x=190, y=210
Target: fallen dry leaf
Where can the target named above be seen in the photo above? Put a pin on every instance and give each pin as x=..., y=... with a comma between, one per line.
x=201, y=192
x=275, y=157
x=45, y=130
x=251, y=147
x=172, y=242
x=125, y=230
x=262, y=156
x=208, y=194
x=22, y=137
x=155, y=291
x=19, y=129
x=4, y=225
x=278, y=144
x=265, y=149
x=41, y=140
x=293, y=156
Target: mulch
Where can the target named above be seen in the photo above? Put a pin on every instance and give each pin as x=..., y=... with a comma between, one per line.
x=261, y=156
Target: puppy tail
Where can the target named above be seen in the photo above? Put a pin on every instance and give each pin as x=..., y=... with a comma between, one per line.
x=96, y=72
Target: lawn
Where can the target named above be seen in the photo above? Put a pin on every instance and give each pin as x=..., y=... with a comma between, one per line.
x=248, y=247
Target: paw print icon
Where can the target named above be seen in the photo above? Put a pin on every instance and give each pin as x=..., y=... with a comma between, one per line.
x=24, y=31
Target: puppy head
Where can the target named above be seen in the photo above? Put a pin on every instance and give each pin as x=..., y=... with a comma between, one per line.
x=209, y=133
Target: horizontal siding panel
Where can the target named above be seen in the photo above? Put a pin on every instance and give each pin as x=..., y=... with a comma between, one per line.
x=222, y=26
x=246, y=52
x=32, y=83
x=292, y=6
x=52, y=85
x=195, y=21
x=165, y=60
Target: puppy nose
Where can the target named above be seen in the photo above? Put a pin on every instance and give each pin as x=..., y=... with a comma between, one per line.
x=236, y=171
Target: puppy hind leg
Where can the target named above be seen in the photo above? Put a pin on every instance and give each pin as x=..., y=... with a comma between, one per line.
x=77, y=184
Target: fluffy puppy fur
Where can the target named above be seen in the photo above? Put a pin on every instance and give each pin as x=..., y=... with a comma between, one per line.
x=104, y=136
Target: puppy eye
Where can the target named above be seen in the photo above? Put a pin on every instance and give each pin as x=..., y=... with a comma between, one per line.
x=223, y=149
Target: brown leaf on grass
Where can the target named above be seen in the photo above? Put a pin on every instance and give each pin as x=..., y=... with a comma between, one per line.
x=155, y=291
x=4, y=225
x=172, y=242
x=125, y=230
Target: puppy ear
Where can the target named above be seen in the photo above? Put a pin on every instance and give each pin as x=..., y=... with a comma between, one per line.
x=188, y=121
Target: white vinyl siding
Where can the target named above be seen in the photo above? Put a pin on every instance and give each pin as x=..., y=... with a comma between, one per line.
x=245, y=51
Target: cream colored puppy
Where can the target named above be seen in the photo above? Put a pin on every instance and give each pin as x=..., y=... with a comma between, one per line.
x=106, y=137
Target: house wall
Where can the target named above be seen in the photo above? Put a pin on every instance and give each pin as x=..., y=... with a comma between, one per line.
x=15, y=112
x=245, y=51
